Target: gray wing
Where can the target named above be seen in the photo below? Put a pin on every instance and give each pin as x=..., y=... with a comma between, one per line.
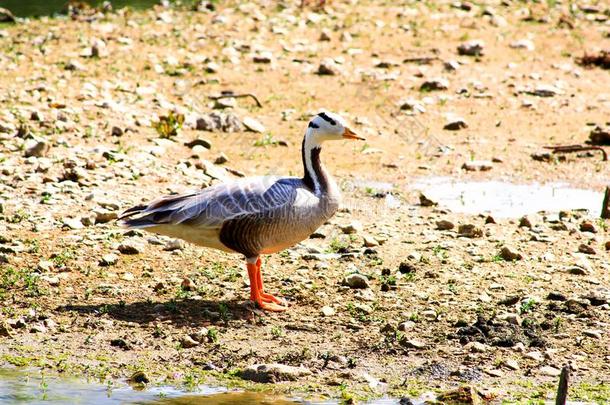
x=211, y=207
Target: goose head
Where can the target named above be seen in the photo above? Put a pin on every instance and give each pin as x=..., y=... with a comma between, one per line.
x=327, y=126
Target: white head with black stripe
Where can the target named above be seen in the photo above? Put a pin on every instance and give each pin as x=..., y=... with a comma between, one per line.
x=327, y=126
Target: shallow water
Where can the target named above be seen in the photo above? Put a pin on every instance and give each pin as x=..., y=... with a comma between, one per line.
x=507, y=200
x=33, y=387
x=18, y=386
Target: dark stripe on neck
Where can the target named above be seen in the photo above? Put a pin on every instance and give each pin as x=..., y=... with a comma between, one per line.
x=327, y=118
x=318, y=174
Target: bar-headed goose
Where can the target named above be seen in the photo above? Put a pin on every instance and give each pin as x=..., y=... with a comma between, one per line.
x=255, y=215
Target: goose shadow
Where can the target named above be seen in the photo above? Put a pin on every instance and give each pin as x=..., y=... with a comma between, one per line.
x=180, y=312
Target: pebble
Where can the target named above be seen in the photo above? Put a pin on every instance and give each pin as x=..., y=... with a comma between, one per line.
x=525, y=222
x=476, y=347
x=510, y=254
x=221, y=159
x=139, y=377
x=512, y=364
x=187, y=342
x=550, y=371
x=130, y=248
x=586, y=249
x=470, y=231
x=356, y=281
x=109, y=260
x=187, y=284
x=73, y=223
x=272, y=373
x=174, y=244
x=405, y=326
x=413, y=344
x=434, y=84
x=455, y=123
x=38, y=328
x=587, y=226
x=478, y=165
x=523, y=44
x=535, y=355
x=253, y=125
x=594, y=333
x=471, y=48
x=329, y=67
x=353, y=227
x=327, y=311
x=425, y=201
x=444, y=225
x=103, y=216
x=607, y=245
x=38, y=149
x=369, y=241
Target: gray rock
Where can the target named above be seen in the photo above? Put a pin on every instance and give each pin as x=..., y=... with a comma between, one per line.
x=272, y=373
x=523, y=44
x=75, y=66
x=327, y=311
x=593, y=333
x=413, y=344
x=356, y=281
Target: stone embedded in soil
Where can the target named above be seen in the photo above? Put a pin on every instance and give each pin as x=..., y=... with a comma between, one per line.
x=356, y=281
x=510, y=254
x=444, y=225
x=369, y=241
x=199, y=142
x=187, y=284
x=511, y=363
x=607, y=245
x=73, y=223
x=471, y=48
x=462, y=395
x=470, y=231
x=588, y=226
x=109, y=260
x=272, y=373
x=478, y=165
x=103, y=216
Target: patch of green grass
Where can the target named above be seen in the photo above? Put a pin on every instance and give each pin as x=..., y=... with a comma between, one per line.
x=266, y=140
x=337, y=245
x=527, y=306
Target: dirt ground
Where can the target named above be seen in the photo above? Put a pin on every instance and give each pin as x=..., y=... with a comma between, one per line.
x=442, y=308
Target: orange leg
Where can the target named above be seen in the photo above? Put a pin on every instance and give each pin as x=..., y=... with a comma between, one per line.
x=266, y=297
x=266, y=301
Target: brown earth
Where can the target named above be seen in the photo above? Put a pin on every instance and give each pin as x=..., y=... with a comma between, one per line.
x=466, y=314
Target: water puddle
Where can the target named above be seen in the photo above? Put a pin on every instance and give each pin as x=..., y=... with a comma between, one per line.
x=32, y=387
x=507, y=200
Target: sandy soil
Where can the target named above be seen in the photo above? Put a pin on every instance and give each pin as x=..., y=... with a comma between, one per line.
x=442, y=308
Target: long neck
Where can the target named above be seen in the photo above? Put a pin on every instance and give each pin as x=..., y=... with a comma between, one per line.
x=315, y=176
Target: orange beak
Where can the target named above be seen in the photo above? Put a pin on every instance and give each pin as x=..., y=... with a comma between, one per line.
x=348, y=134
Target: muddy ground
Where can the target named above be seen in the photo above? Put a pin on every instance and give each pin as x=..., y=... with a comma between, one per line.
x=501, y=305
